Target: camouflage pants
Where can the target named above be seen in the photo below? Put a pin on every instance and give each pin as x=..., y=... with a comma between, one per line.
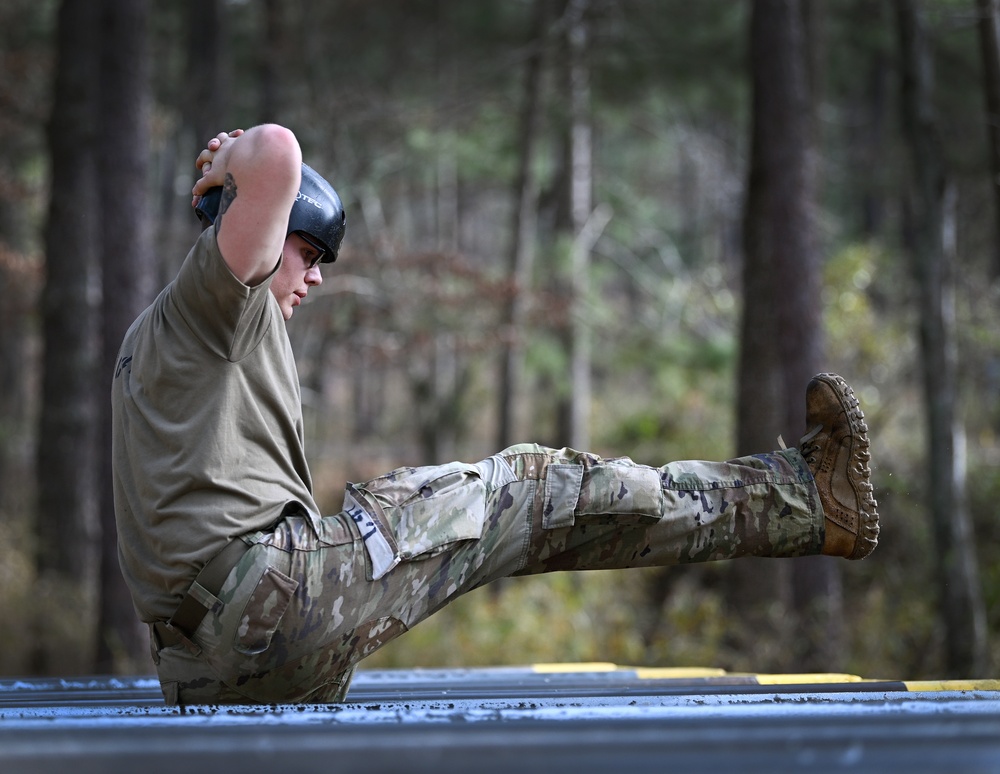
x=303, y=607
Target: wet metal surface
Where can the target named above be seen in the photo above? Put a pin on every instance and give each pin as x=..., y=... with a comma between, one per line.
x=510, y=720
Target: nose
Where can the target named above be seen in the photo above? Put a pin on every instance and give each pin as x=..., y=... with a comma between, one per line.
x=314, y=276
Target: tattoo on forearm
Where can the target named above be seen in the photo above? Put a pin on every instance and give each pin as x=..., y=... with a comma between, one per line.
x=228, y=194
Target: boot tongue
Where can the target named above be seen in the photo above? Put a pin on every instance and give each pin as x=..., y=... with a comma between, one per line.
x=810, y=435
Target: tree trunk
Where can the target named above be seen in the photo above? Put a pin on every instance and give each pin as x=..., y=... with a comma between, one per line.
x=207, y=75
x=875, y=114
x=18, y=297
x=127, y=280
x=21, y=138
x=960, y=588
x=781, y=333
x=573, y=413
x=989, y=45
x=67, y=528
x=200, y=102
x=523, y=236
x=274, y=43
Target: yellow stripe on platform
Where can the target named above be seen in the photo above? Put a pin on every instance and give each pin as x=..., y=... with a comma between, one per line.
x=643, y=673
x=817, y=678
x=952, y=685
x=804, y=678
x=677, y=673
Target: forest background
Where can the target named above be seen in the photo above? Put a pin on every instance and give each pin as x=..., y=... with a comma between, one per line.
x=633, y=226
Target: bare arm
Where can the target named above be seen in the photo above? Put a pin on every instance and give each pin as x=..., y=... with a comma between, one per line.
x=259, y=171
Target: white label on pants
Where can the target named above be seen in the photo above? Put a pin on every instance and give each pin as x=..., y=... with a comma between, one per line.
x=379, y=551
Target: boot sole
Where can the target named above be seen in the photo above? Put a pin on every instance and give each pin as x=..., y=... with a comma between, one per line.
x=860, y=473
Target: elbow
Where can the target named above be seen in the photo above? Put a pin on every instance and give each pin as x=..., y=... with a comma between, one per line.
x=281, y=138
x=280, y=146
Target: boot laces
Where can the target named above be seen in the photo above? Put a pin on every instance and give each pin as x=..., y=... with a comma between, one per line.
x=806, y=444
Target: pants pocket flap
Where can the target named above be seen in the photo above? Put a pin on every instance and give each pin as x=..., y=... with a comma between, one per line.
x=562, y=492
x=263, y=611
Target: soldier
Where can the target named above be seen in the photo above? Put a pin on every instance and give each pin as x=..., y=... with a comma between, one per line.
x=253, y=596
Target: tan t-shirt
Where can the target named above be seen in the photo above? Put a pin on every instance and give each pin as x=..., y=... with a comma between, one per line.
x=207, y=427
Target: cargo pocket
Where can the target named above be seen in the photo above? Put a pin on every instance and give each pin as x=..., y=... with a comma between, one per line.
x=416, y=513
x=621, y=491
x=263, y=611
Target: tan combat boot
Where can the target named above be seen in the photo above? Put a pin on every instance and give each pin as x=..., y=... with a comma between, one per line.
x=836, y=450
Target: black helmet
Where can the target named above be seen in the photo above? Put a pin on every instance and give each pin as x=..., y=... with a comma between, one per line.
x=316, y=213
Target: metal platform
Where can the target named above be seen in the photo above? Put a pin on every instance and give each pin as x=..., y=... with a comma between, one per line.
x=551, y=718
